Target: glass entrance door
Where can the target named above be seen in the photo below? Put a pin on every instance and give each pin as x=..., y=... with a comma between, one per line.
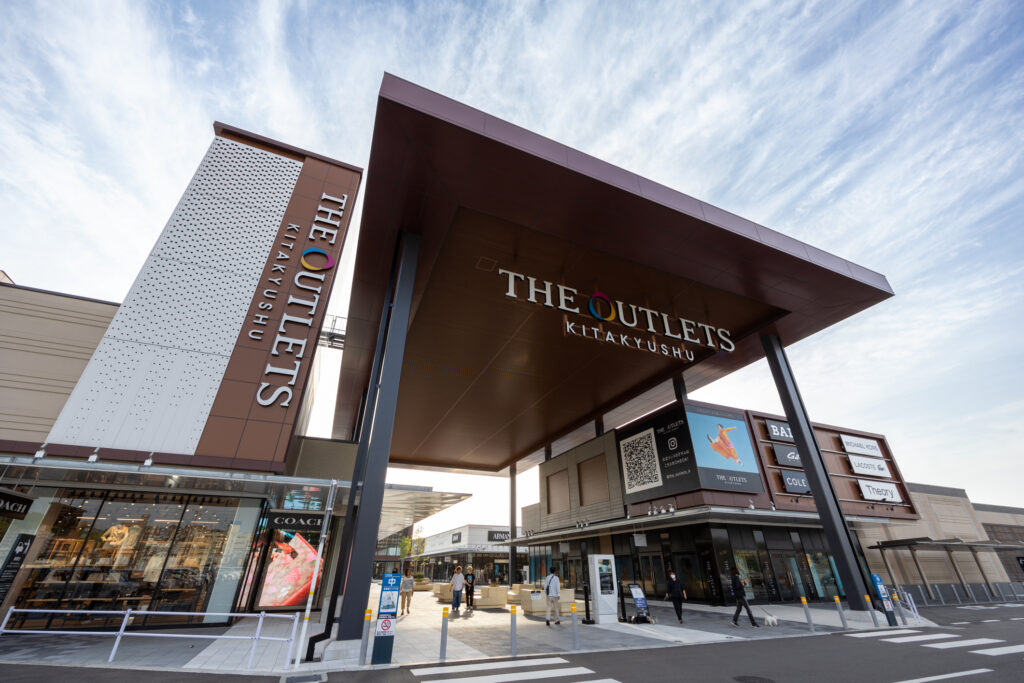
x=652, y=573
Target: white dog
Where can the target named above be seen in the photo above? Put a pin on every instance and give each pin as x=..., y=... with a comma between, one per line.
x=769, y=618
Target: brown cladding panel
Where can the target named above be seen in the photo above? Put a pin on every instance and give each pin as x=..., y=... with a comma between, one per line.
x=240, y=427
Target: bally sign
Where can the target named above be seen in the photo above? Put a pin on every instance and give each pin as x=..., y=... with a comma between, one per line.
x=14, y=504
x=857, y=444
x=880, y=490
x=778, y=431
x=870, y=466
x=295, y=519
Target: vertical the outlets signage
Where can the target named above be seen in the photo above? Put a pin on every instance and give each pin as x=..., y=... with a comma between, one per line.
x=303, y=257
x=612, y=321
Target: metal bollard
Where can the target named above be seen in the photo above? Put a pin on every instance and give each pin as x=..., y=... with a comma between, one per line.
x=842, y=614
x=256, y=639
x=899, y=608
x=512, y=637
x=871, y=608
x=444, y=634
x=575, y=630
x=366, y=636
x=807, y=613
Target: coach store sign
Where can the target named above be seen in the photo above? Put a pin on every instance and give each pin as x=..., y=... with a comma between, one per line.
x=14, y=505
x=295, y=519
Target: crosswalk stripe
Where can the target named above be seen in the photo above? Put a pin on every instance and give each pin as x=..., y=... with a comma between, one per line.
x=878, y=634
x=484, y=666
x=957, y=623
x=943, y=677
x=988, y=621
x=915, y=639
x=1008, y=650
x=519, y=676
x=963, y=643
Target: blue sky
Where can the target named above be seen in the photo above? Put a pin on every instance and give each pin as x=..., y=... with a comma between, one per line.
x=887, y=133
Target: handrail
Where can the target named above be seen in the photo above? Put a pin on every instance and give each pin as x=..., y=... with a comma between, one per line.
x=127, y=614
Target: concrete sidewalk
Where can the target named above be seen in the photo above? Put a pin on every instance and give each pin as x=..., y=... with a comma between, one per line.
x=479, y=634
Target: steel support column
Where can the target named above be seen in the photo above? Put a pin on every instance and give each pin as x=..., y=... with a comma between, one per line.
x=888, y=568
x=840, y=539
x=920, y=571
x=977, y=560
x=378, y=445
x=968, y=593
x=511, y=524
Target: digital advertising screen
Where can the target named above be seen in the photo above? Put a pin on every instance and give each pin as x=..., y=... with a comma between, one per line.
x=723, y=450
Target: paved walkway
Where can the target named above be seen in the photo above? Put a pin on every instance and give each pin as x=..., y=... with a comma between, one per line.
x=479, y=634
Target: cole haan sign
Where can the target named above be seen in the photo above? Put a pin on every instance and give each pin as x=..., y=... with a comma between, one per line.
x=603, y=316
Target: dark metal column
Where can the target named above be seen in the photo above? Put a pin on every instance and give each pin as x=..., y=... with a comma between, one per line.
x=679, y=387
x=840, y=539
x=378, y=450
x=511, y=523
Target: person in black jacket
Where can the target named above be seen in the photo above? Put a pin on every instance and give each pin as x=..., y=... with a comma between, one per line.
x=676, y=594
x=741, y=599
x=470, y=587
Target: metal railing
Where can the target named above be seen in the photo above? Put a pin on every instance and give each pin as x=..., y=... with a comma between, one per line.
x=127, y=616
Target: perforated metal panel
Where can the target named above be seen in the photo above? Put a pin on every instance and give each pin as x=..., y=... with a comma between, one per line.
x=153, y=378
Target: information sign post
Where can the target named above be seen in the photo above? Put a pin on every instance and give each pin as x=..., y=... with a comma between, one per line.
x=387, y=618
x=883, y=595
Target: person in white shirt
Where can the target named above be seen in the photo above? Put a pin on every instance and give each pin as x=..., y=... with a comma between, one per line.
x=405, y=591
x=458, y=583
x=552, y=589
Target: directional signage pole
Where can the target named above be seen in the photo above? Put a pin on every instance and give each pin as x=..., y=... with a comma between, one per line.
x=387, y=618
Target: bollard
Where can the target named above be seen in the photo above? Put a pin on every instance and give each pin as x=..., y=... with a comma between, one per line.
x=366, y=636
x=899, y=608
x=444, y=634
x=512, y=637
x=807, y=613
x=842, y=614
x=871, y=608
x=575, y=630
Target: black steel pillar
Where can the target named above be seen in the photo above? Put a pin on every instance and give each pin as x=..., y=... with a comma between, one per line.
x=378, y=446
x=511, y=524
x=679, y=387
x=840, y=539
x=599, y=425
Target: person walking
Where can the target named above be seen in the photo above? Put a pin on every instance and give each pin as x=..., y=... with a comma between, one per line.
x=458, y=583
x=677, y=594
x=553, y=590
x=470, y=586
x=405, y=591
x=741, y=599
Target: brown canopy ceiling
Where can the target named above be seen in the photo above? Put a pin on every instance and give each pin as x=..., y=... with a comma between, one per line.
x=488, y=379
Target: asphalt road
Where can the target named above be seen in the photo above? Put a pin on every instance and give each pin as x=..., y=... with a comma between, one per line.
x=974, y=645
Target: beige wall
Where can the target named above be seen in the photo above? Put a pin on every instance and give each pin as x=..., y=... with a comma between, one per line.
x=567, y=466
x=946, y=513
x=46, y=339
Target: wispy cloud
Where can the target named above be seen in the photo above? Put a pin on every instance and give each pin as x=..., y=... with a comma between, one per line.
x=891, y=134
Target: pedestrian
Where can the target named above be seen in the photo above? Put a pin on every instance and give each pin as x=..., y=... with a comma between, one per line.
x=741, y=599
x=458, y=583
x=470, y=586
x=552, y=589
x=677, y=594
x=405, y=591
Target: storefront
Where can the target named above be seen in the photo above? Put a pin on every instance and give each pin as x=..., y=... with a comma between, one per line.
x=472, y=545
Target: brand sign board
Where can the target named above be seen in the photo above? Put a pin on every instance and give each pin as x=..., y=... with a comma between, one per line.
x=880, y=490
x=610, y=321
x=873, y=467
x=457, y=537
x=684, y=448
x=15, y=558
x=295, y=519
x=13, y=504
x=497, y=535
x=778, y=431
x=861, y=445
x=795, y=482
x=787, y=455
x=390, y=584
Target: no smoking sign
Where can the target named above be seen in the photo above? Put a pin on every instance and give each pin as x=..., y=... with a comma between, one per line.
x=385, y=627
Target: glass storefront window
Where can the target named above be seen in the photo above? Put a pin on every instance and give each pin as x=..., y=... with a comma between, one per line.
x=145, y=551
x=821, y=575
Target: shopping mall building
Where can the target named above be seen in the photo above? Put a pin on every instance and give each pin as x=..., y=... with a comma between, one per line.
x=514, y=303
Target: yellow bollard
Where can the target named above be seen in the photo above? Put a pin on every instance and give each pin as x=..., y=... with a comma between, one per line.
x=444, y=612
x=369, y=615
x=574, y=608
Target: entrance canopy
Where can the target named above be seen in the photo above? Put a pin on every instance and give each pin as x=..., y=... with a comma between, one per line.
x=632, y=284
x=947, y=544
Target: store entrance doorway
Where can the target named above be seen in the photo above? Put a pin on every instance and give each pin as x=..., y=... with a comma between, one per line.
x=652, y=574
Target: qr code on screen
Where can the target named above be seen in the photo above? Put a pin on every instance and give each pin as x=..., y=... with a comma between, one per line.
x=640, y=462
